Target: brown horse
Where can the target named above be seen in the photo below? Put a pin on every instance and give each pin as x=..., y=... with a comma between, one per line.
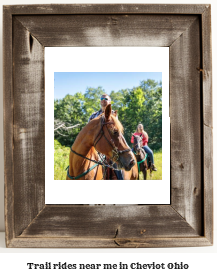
x=101, y=135
x=133, y=174
x=141, y=156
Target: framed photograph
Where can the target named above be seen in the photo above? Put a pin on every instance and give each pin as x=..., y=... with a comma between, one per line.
x=142, y=96
x=56, y=58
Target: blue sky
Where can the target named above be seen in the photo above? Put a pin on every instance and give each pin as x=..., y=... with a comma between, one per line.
x=73, y=82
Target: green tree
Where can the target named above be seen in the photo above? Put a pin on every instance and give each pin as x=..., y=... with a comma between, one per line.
x=152, y=112
x=92, y=100
x=69, y=110
x=142, y=104
x=118, y=99
x=130, y=113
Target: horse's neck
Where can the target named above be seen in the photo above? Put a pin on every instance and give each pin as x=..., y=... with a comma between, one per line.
x=141, y=156
x=82, y=146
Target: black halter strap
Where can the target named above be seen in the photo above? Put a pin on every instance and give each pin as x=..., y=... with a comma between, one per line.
x=116, y=151
x=98, y=162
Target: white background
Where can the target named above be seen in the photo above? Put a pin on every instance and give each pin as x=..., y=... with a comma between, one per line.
x=106, y=59
x=202, y=260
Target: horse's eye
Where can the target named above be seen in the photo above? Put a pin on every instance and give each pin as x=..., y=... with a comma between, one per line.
x=115, y=132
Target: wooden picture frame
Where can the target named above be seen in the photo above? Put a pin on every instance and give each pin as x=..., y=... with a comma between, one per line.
x=186, y=30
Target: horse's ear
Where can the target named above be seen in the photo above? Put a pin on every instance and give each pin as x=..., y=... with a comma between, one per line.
x=108, y=112
x=115, y=113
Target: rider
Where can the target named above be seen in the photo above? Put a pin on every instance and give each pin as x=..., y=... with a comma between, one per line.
x=104, y=101
x=140, y=131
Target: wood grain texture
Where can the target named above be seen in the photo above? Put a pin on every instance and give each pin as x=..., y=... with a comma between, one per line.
x=8, y=125
x=29, y=131
x=107, y=30
x=185, y=116
x=208, y=183
x=34, y=242
x=207, y=67
x=106, y=9
x=186, y=30
x=109, y=222
x=207, y=122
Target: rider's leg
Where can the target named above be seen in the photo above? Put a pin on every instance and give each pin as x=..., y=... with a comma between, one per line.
x=150, y=153
x=118, y=173
x=151, y=156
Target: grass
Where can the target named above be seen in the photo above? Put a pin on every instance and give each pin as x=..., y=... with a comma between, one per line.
x=61, y=161
x=156, y=175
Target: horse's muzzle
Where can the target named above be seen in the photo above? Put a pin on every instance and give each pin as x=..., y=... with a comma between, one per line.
x=127, y=163
x=132, y=163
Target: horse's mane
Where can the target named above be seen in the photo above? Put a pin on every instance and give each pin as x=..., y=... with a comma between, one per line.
x=118, y=124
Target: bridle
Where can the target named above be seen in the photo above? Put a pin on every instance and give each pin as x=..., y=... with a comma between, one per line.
x=138, y=143
x=115, y=151
x=103, y=162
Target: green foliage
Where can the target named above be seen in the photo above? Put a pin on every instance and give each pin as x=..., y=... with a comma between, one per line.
x=118, y=99
x=61, y=160
x=69, y=110
x=92, y=99
x=142, y=104
x=151, y=116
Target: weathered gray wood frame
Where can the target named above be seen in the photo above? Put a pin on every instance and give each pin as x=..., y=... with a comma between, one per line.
x=186, y=29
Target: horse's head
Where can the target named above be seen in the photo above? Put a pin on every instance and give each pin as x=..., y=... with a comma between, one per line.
x=137, y=144
x=109, y=140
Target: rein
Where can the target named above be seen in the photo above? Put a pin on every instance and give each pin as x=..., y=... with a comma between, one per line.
x=81, y=175
x=139, y=162
x=98, y=162
x=116, y=152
